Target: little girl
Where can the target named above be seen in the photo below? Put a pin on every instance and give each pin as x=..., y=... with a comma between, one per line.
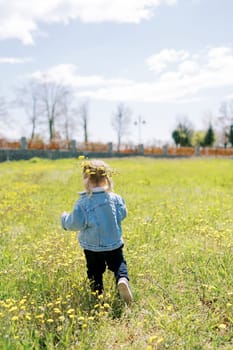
x=97, y=215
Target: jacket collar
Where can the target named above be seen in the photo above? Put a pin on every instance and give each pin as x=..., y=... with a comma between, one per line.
x=94, y=190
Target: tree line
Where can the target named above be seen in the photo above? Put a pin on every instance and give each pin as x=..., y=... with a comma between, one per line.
x=51, y=106
x=184, y=134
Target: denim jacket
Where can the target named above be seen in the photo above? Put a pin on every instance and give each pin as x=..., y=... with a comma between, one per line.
x=98, y=218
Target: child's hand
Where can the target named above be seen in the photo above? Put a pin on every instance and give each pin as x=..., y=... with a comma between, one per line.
x=63, y=216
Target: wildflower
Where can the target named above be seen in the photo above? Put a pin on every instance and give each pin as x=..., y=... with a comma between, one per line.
x=81, y=157
x=222, y=326
x=50, y=320
x=13, y=308
x=57, y=311
x=70, y=311
x=61, y=318
x=15, y=318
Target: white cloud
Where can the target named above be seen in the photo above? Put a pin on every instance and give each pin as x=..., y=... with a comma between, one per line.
x=68, y=74
x=160, y=61
x=210, y=69
x=14, y=60
x=20, y=19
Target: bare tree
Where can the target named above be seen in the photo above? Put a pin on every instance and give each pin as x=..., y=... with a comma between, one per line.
x=84, y=118
x=120, y=121
x=52, y=98
x=28, y=99
x=3, y=110
x=68, y=123
x=225, y=120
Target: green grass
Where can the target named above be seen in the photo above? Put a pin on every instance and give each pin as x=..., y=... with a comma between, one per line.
x=178, y=246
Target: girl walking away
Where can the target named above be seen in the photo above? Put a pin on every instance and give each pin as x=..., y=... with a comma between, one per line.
x=97, y=215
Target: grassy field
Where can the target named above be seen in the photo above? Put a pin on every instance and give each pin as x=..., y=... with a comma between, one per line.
x=178, y=246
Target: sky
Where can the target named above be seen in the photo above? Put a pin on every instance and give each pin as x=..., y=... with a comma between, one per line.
x=166, y=60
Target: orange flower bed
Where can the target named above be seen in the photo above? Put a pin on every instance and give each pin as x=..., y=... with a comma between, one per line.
x=222, y=152
x=4, y=144
x=181, y=151
x=92, y=147
x=153, y=150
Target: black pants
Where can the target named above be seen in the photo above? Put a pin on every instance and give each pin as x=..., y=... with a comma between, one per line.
x=97, y=263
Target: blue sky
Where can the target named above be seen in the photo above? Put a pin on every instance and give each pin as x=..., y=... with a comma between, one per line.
x=164, y=59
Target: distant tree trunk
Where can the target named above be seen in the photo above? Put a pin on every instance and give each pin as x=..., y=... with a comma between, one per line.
x=120, y=122
x=34, y=119
x=84, y=117
x=53, y=98
x=27, y=98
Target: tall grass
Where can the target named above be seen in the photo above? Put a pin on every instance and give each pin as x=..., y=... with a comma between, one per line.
x=178, y=246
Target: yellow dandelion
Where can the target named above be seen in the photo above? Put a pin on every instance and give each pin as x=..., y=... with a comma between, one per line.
x=101, y=314
x=57, y=311
x=39, y=316
x=81, y=318
x=50, y=320
x=15, y=318
x=222, y=326
x=81, y=157
x=70, y=311
x=169, y=307
x=152, y=339
x=13, y=309
x=61, y=318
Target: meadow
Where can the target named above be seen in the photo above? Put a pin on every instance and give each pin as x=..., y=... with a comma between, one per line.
x=178, y=246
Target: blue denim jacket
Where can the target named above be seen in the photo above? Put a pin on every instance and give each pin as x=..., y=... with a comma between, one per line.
x=98, y=218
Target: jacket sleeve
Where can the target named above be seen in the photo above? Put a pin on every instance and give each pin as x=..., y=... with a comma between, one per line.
x=122, y=208
x=75, y=220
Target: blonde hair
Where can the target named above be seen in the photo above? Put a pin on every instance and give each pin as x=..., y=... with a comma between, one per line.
x=97, y=173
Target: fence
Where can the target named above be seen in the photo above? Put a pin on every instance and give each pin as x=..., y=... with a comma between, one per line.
x=67, y=149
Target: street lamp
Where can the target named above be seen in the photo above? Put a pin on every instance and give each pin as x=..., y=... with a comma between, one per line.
x=139, y=122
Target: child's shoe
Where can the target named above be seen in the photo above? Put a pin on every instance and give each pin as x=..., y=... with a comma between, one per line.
x=124, y=290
